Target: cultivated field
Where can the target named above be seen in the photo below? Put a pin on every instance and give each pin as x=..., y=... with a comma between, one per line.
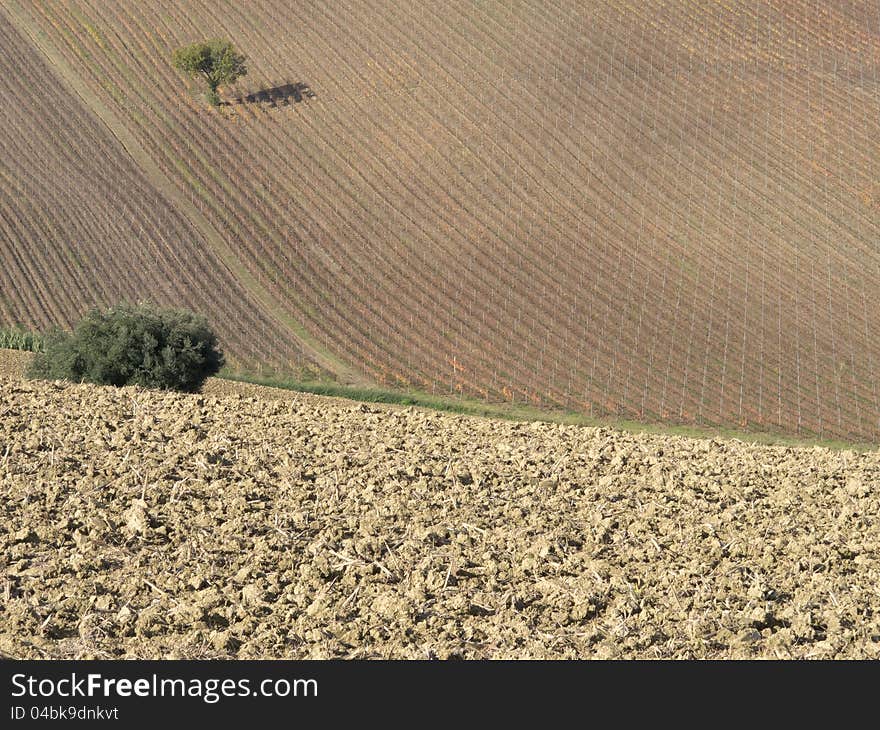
x=144, y=524
x=660, y=210
x=80, y=223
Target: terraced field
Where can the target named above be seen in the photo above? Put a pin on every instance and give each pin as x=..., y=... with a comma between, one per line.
x=659, y=210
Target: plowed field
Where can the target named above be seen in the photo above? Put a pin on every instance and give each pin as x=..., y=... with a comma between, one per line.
x=143, y=524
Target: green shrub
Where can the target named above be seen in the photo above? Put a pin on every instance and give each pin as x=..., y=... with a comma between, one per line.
x=132, y=345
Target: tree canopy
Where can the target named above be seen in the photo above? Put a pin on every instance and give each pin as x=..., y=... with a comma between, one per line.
x=133, y=345
x=215, y=61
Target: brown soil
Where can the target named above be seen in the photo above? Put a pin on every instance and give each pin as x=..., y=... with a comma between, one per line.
x=144, y=524
x=13, y=363
x=639, y=209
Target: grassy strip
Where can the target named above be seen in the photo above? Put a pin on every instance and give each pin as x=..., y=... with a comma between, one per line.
x=513, y=412
x=18, y=338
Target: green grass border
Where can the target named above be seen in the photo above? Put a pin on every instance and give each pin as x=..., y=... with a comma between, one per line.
x=513, y=412
x=21, y=339
x=522, y=413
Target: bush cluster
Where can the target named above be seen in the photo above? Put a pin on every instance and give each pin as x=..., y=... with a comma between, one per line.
x=127, y=344
x=18, y=338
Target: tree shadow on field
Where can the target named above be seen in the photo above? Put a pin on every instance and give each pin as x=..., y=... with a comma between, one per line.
x=284, y=95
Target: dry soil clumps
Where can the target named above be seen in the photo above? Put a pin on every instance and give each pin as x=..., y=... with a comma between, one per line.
x=144, y=524
x=13, y=363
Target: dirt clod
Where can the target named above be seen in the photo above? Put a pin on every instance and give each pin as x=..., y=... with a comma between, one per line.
x=146, y=524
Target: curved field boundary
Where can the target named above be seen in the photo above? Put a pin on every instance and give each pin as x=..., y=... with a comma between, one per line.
x=82, y=226
x=651, y=210
x=22, y=19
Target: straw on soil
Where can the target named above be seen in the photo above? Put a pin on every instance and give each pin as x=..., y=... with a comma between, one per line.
x=145, y=524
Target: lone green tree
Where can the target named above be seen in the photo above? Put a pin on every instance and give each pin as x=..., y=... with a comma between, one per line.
x=217, y=62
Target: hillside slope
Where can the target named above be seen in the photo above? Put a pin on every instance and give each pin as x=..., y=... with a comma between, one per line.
x=666, y=211
x=81, y=225
x=144, y=524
